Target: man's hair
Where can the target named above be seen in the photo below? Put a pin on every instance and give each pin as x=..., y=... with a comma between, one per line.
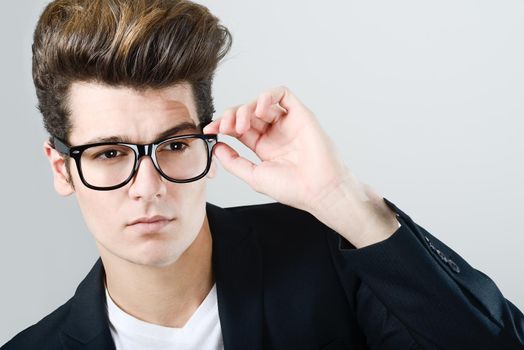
x=138, y=44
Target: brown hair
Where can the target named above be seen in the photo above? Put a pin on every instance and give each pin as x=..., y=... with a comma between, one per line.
x=133, y=43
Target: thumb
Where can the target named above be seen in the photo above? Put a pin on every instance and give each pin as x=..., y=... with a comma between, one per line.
x=234, y=163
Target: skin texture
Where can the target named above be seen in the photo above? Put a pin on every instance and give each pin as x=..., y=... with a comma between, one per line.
x=162, y=277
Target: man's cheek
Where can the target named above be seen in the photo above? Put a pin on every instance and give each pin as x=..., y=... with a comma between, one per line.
x=99, y=213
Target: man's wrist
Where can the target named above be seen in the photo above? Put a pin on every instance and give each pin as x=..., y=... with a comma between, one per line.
x=357, y=213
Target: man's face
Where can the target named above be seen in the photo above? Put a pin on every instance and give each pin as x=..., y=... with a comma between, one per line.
x=99, y=111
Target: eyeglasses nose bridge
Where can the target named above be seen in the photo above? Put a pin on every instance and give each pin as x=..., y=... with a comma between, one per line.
x=145, y=150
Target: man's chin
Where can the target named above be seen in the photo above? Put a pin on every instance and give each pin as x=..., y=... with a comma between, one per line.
x=147, y=256
x=154, y=259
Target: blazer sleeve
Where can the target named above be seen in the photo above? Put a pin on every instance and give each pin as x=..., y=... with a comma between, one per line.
x=417, y=293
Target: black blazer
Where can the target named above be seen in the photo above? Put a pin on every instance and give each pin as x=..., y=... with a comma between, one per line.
x=286, y=281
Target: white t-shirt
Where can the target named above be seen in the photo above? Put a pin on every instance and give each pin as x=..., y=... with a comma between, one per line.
x=202, y=331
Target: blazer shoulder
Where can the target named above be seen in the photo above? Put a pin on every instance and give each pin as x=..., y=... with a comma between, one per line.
x=42, y=335
x=277, y=224
x=272, y=211
x=277, y=216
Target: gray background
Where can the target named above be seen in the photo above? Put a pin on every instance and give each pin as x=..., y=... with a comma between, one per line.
x=423, y=99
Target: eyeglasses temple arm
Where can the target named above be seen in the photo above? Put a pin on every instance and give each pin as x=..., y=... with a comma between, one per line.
x=60, y=146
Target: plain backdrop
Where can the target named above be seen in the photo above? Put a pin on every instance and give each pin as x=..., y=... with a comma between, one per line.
x=424, y=100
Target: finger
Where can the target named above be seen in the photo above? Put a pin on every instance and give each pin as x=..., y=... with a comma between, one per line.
x=234, y=163
x=265, y=109
x=250, y=139
x=249, y=128
x=227, y=122
x=212, y=128
x=244, y=120
x=281, y=98
x=222, y=124
x=244, y=115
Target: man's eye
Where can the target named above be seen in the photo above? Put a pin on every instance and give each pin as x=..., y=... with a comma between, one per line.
x=109, y=154
x=177, y=146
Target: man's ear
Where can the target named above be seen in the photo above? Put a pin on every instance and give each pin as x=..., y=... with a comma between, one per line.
x=61, y=180
x=212, y=169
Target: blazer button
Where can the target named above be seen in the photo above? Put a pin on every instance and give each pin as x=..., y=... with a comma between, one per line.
x=453, y=266
x=442, y=256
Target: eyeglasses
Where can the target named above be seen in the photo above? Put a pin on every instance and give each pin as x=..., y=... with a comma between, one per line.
x=107, y=166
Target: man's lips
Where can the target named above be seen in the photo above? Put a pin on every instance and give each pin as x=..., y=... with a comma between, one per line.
x=149, y=224
x=149, y=220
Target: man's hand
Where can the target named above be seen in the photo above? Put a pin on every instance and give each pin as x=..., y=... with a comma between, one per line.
x=300, y=167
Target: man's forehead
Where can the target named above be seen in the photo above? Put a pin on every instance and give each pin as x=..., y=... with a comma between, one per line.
x=87, y=97
x=100, y=112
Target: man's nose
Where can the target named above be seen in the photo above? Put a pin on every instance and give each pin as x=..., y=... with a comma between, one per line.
x=147, y=183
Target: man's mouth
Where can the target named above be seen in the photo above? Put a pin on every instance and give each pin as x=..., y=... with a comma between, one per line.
x=151, y=224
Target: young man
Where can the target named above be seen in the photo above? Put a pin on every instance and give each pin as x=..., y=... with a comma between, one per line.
x=125, y=91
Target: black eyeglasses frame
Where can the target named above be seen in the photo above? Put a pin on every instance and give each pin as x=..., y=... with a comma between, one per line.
x=140, y=150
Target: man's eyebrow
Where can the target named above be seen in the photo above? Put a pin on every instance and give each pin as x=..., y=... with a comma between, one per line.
x=185, y=126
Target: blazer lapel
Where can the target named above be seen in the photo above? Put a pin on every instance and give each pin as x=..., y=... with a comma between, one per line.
x=237, y=266
x=87, y=326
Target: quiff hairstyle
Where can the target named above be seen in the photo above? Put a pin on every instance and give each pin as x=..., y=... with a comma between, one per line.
x=138, y=44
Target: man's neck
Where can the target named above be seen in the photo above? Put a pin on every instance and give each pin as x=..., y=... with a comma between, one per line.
x=167, y=296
